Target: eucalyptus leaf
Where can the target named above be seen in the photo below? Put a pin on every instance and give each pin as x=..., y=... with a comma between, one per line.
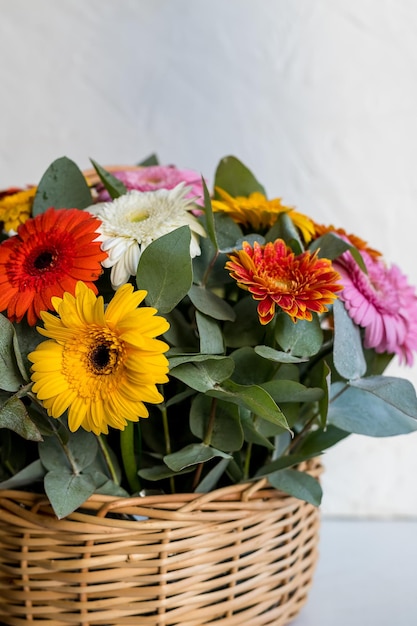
x=253, y=398
x=245, y=330
x=14, y=416
x=165, y=270
x=206, y=375
x=29, y=475
x=10, y=375
x=193, y=454
x=221, y=419
x=358, y=411
x=67, y=491
x=397, y=392
x=298, y=484
x=161, y=472
x=212, y=477
x=277, y=356
x=113, y=185
x=150, y=160
x=348, y=356
x=207, y=302
x=318, y=440
x=235, y=178
x=76, y=454
x=209, y=331
x=302, y=338
x=62, y=186
x=292, y=391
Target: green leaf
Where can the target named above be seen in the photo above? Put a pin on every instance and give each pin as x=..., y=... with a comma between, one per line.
x=235, y=178
x=77, y=454
x=228, y=233
x=276, y=356
x=251, y=431
x=211, y=337
x=319, y=440
x=301, y=338
x=285, y=229
x=161, y=472
x=204, y=375
x=10, y=375
x=331, y=246
x=298, y=484
x=397, y=392
x=67, y=491
x=348, y=356
x=226, y=433
x=360, y=411
x=253, y=398
x=150, y=160
x=211, y=479
x=292, y=391
x=208, y=303
x=250, y=368
x=14, y=416
x=193, y=454
x=165, y=270
x=29, y=475
x=326, y=376
x=246, y=329
x=63, y=186
x=114, y=186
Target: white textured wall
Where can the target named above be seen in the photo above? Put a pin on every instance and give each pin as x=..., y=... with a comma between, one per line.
x=318, y=97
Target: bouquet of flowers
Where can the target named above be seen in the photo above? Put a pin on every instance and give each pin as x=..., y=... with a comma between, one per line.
x=157, y=336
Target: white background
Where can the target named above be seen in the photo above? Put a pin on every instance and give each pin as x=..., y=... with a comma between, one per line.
x=317, y=97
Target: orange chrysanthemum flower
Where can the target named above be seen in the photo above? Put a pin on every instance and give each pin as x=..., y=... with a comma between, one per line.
x=49, y=254
x=298, y=284
x=260, y=213
x=356, y=241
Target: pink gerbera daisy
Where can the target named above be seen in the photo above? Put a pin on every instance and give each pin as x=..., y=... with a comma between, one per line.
x=382, y=302
x=156, y=177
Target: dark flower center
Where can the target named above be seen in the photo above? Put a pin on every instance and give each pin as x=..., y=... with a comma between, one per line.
x=43, y=260
x=100, y=357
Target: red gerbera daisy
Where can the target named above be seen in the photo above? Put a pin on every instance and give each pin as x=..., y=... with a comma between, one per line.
x=49, y=254
x=273, y=274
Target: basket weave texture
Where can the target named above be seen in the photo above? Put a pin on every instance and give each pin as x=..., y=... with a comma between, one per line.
x=240, y=555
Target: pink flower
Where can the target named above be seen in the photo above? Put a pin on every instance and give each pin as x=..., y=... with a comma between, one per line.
x=382, y=302
x=157, y=177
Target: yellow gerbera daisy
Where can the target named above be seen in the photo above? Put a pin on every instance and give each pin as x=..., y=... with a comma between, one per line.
x=16, y=207
x=100, y=363
x=258, y=212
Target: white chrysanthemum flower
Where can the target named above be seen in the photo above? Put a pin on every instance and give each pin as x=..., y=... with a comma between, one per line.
x=132, y=221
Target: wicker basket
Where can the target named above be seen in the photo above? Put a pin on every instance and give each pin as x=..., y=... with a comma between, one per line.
x=241, y=555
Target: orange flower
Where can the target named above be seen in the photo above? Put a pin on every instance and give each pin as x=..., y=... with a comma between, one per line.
x=356, y=241
x=49, y=254
x=274, y=275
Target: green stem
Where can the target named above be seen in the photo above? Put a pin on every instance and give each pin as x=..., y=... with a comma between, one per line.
x=107, y=458
x=206, y=441
x=127, y=446
x=167, y=437
x=209, y=268
x=246, y=469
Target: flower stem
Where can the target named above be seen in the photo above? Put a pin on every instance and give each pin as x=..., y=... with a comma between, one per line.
x=167, y=438
x=107, y=458
x=206, y=441
x=127, y=446
x=247, y=461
